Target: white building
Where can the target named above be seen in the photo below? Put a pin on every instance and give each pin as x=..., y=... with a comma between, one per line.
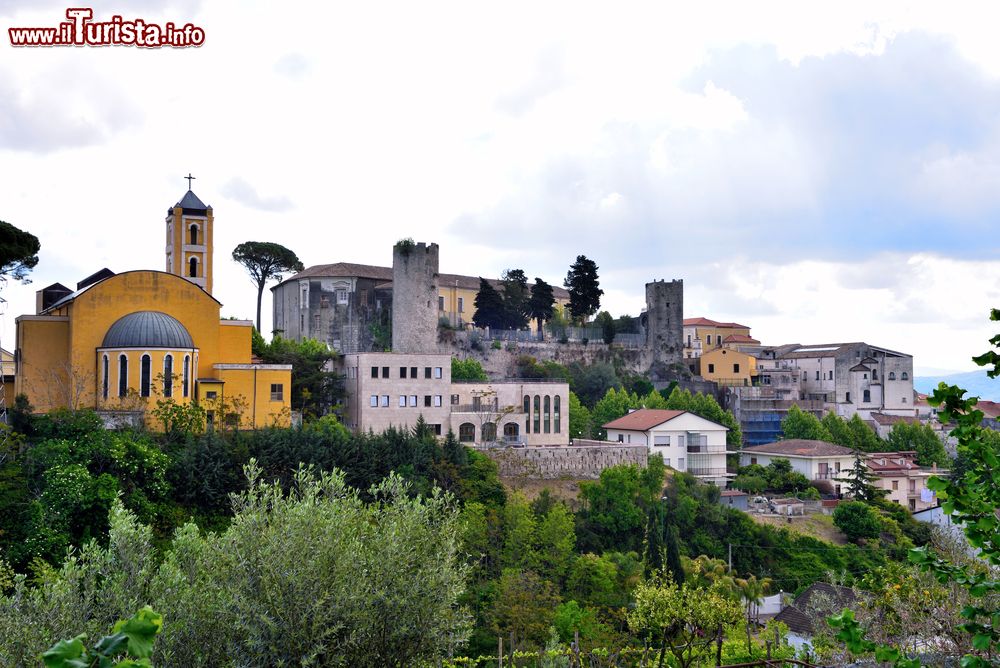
x=687, y=442
x=816, y=460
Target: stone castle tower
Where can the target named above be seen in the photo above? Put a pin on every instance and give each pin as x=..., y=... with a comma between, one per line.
x=189, y=240
x=665, y=323
x=414, y=297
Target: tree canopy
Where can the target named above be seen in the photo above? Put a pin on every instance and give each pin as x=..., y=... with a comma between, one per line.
x=584, y=288
x=489, y=306
x=18, y=253
x=541, y=302
x=265, y=261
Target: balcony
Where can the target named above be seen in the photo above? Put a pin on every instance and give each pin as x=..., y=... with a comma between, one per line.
x=827, y=475
x=710, y=471
x=704, y=448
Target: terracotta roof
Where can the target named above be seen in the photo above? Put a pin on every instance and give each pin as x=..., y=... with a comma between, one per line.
x=643, y=419
x=812, y=606
x=732, y=492
x=706, y=322
x=384, y=274
x=990, y=409
x=889, y=420
x=800, y=447
x=739, y=338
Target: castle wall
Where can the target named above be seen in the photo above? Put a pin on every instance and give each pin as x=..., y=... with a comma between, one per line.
x=665, y=325
x=571, y=461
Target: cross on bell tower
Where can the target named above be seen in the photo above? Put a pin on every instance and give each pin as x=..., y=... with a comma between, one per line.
x=189, y=239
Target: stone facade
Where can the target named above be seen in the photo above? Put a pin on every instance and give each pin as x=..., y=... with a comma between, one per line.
x=565, y=462
x=415, y=297
x=665, y=325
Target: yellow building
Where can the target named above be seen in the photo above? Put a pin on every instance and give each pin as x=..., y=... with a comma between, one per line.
x=727, y=366
x=121, y=342
x=704, y=334
x=457, y=298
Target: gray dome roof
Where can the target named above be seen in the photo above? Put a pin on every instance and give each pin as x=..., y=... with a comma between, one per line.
x=147, y=329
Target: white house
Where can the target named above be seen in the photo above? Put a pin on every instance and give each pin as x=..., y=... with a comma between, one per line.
x=687, y=442
x=816, y=460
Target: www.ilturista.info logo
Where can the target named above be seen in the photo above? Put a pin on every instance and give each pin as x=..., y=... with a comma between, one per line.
x=81, y=30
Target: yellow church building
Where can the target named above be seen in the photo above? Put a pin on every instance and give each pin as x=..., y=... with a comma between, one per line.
x=122, y=342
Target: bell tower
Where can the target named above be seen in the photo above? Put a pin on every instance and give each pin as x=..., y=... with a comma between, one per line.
x=189, y=239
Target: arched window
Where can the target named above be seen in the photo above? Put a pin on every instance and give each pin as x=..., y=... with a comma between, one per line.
x=511, y=431
x=122, y=375
x=193, y=263
x=892, y=375
x=874, y=374
x=187, y=374
x=144, y=368
x=104, y=377
x=905, y=376
x=489, y=432
x=537, y=428
x=548, y=414
x=527, y=415
x=194, y=235
x=467, y=432
x=558, y=414
x=168, y=375
x=867, y=397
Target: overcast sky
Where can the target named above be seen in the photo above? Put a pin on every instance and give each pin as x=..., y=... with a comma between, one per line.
x=819, y=175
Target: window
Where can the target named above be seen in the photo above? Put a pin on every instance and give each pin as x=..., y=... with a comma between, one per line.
x=874, y=374
x=194, y=235
x=168, y=375
x=895, y=485
x=427, y=401
x=373, y=401
x=144, y=371
x=753, y=460
x=342, y=296
x=413, y=372
x=437, y=401
x=817, y=374
x=438, y=372
x=867, y=396
x=104, y=377
x=527, y=415
x=187, y=374
x=904, y=400
x=352, y=372
x=680, y=440
x=666, y=461
x=709, y=339
x=466, y=432
x=454, y=399
x=558, y=415
x=830, y=377
x=402, y=372
x=711, y=368
x=848, y=397
x=385, y=401
x=489, y=432
x=364, y=298
x=374, y=372
x=548, y=414
x=413, y=401
x=892, y=375
x=537, y=428
x=316, y=321
x=461, y=304
x=904, y=376
x=427, y=372
x=621, y=438
x=385, y=372
x=680, y=464
x=689, y=340
x=661, y=439
x=440, y=303
x=193, y=267
x=736, y=368
x=277, y=392
x=402, y=401
x=212, y=394
x=865, y=376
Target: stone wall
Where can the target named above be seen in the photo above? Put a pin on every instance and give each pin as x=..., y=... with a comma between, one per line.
x=573, y=461
x=665, y=326
x=414, y=297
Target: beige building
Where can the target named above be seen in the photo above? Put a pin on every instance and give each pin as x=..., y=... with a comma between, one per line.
x=816, y=460
x=704, y=334
x=905, y=481
x=729, y=367
x=394, y=390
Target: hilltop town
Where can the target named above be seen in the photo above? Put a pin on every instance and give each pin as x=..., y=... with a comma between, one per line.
x=592, y=459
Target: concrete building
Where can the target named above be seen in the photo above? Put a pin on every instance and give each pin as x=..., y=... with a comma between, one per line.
x=687, y=442
x=120, y=342
x=816, y=460
x=904, y=481
x=704, y=334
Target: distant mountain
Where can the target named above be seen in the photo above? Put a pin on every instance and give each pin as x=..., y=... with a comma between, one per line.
x=976, y=383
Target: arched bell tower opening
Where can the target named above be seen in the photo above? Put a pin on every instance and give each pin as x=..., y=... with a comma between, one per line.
x=189, y=239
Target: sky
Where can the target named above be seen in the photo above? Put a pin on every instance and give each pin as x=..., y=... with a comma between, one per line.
x=818, y=171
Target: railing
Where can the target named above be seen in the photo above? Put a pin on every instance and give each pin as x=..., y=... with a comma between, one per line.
x=693, y=449
x=708, y=471
x=487, y=409
x=827, y=475
x=508, y=380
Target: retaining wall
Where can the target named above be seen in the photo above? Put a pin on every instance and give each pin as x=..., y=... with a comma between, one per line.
x=572, y=461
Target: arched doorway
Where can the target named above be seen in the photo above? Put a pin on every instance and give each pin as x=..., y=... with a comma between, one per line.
x=511, y=432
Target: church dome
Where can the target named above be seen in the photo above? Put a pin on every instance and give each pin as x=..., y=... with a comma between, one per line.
x=147, y=329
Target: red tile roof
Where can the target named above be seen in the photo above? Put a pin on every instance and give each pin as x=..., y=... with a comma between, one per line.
x=705, y=322
x=739, y=338
x=643, y=419
x=800, y=447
